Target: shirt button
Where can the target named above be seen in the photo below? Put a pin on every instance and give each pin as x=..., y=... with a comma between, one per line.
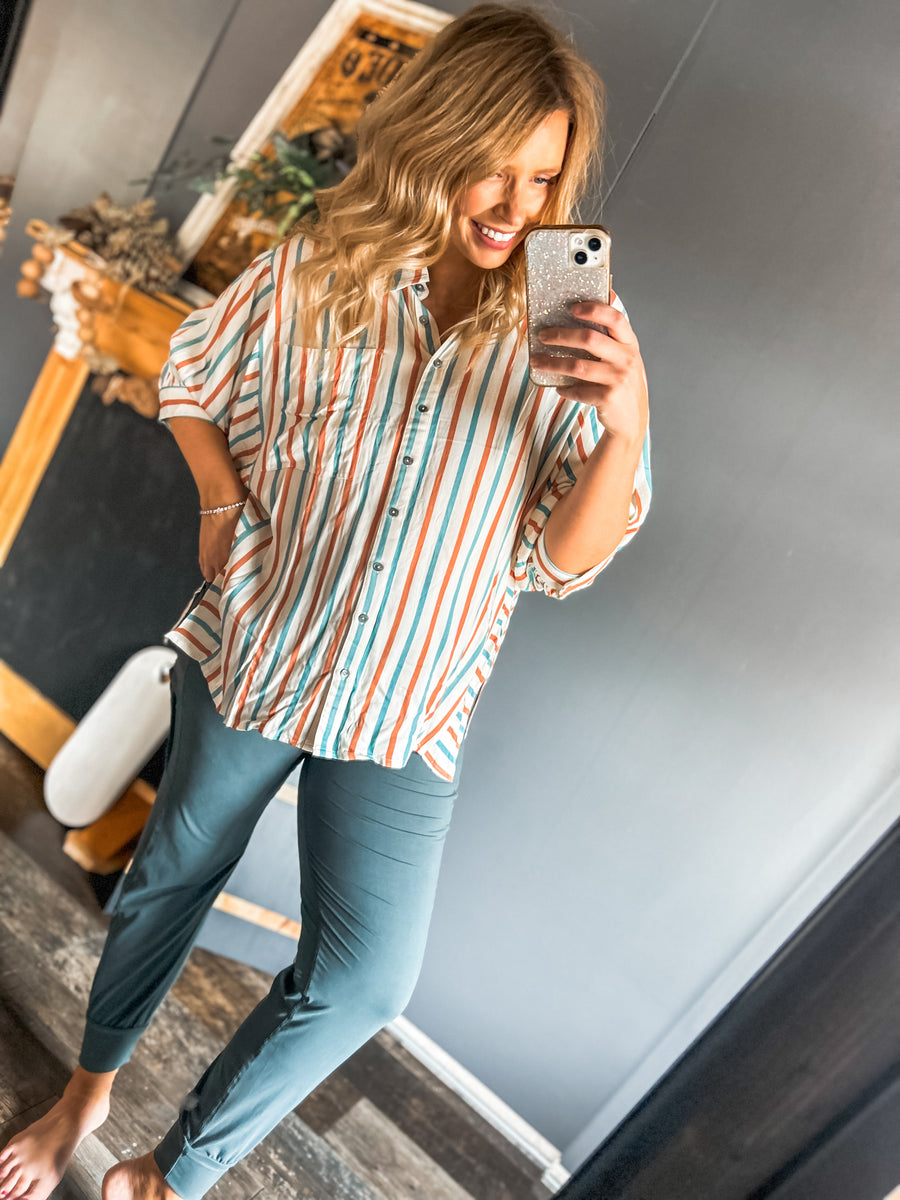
x=423, y=320
x=423, y=408
x=393, y=512
x=407, y=461
x=418, y=287
x=438, y=362
x=363, y=617
x=377, y=566
x=345, y=673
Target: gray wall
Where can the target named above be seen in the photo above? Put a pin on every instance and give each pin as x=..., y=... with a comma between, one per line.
x=668, y=770
x=719, y=713
x=115, y=79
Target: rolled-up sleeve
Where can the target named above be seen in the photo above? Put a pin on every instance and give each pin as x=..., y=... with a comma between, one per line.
x=577, y=433
x=210, y=370
x=570, y=443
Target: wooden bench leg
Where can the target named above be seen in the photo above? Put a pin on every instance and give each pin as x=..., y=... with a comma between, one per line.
x=107, y=844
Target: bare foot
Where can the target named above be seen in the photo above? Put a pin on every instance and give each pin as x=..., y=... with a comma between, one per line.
x=34, y=1160
x=136, y=1179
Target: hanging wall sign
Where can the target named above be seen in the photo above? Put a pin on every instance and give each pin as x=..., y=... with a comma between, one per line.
x=357, y=49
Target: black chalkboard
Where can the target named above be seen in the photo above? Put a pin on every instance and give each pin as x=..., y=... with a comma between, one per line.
x=106, y=558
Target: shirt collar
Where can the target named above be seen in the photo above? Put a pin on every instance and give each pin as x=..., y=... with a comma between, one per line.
x=416, y=277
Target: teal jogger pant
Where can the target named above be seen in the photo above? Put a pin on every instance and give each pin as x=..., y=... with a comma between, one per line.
x=370, y=841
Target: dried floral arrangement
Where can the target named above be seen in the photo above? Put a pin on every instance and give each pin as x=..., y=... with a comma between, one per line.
x=128, y=245
x=135, y=245
x=140, y=394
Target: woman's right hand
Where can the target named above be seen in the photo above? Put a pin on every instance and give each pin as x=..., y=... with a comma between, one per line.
x=216, y=538
x=206, y=451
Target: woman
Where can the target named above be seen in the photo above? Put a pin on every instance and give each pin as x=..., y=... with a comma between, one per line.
x=378, y=482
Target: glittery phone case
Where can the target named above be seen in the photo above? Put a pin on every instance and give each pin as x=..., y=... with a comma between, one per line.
x=554, y=280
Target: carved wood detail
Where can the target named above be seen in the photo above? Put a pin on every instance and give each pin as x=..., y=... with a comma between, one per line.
x=112, y=327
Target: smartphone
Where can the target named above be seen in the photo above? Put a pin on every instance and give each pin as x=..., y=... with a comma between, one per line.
x=564, y=264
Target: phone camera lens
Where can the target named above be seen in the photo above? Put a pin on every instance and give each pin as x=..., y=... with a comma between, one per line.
x=594, y=244
x=580, y=257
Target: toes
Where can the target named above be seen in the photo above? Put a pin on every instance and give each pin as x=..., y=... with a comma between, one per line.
x=11, y=1185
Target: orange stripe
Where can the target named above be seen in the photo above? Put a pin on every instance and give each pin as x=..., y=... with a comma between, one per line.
x=410, y=575
x=440, y=770
x=327, y=557
x=461, y=530
x=276, y=374
x=338, y=634
x=377, y=520
x=186, y=633
x=455, y=655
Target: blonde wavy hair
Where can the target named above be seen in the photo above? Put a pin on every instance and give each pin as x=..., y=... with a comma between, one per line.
x=454, y=115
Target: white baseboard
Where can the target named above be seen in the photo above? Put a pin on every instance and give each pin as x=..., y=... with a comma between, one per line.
x=482, y=1100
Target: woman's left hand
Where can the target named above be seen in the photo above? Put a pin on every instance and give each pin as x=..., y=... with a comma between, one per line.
x=613, y=380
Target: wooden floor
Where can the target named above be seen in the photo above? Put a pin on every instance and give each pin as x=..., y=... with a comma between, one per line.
x=380, y=1128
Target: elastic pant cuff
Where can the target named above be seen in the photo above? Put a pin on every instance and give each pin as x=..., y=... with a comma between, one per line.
x=189, y=1174
x=106, y=1049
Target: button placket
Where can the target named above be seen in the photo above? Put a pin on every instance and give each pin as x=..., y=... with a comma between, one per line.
x=426, y=400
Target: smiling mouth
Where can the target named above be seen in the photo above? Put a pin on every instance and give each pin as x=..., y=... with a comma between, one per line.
x=495, y=237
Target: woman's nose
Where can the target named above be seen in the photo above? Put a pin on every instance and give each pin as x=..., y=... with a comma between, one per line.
x=512, y=206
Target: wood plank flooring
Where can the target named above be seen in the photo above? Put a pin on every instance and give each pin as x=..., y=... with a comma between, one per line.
x=380, y=1128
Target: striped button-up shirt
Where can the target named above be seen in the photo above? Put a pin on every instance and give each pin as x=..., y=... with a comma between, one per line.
x=398, y=492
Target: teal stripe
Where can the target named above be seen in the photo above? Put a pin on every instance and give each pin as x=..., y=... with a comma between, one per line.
x=486, y=597
x=408, y=528
x=427, y=598
x=345, y=687
x=365, y=634
x=235, y=590
x=309, y=484
x=317, y=535
x=345, y=567
x=645, y=461
x=192, y=619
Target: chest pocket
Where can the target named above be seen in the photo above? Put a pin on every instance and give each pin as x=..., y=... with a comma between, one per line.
x=319, y=397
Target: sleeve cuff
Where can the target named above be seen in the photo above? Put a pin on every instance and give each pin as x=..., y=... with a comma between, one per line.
x=556, y=582
x=181, y=408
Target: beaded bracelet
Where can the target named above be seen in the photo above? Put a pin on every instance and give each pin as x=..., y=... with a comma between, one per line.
x=208, y=512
